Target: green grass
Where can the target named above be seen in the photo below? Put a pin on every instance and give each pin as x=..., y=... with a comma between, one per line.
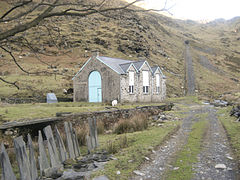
x=233, y=129
x=188, y=155
x=34, y=86
x=138, y=145
x=19, y=112
x=184, y=99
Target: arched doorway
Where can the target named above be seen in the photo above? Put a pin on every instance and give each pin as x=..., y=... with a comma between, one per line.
x=95, y=87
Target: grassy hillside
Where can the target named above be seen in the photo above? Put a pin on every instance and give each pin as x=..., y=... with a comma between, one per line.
x=157, y=38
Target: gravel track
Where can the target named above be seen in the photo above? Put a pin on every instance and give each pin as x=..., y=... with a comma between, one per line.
x=190, y=77
x=216, y=150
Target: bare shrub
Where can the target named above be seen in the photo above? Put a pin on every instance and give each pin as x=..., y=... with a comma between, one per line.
x=82, y=132
x=123, y=126
x=140, y=121
x=114, y=146
x=137, y=122
x=100, y=127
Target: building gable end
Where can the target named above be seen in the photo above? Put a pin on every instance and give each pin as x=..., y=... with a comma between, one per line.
x=82, y=68
x=133, y=67
x=145, y=62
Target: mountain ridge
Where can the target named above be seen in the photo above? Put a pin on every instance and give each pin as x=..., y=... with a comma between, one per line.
x=159, y=39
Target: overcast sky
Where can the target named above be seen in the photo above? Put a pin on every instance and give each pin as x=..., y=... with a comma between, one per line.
x=199, y=9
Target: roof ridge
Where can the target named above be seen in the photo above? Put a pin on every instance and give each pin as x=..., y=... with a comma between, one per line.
x=125, y=63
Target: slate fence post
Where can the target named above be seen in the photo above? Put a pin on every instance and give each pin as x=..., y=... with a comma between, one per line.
x=7, y=171
x=25, y=155
x=92, y=139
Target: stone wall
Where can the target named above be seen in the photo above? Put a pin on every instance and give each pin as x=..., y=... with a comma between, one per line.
x=110, y=117
x=115, y=86
x=138, y=95
x=124, y=81
x=158, y=97
x=142, y=97
x=107, y=117
x=110, y=81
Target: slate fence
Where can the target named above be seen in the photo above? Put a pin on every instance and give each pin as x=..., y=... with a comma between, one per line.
x=51, y=158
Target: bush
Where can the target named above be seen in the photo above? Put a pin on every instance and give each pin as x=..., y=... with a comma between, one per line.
x=113, y=146
x=100, y=127
x=82, y=131
x=138, y=122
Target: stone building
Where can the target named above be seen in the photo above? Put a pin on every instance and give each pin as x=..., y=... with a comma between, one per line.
x=103, y=79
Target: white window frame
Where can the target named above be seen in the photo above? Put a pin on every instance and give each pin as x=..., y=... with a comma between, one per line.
x=157, y=83
x=131, y=82
x=145, y=82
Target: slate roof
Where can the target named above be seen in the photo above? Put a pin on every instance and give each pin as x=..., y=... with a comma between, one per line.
x=121, y=66
x=138, y=64
x=114, y=63
x=154, y=69
x=125, y=66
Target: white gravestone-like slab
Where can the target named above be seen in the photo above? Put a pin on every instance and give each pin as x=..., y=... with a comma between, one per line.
x=51, y=98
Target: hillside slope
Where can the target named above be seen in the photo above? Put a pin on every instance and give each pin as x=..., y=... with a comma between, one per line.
x=159, y=39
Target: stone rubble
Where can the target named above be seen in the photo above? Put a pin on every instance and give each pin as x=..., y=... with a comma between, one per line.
x=138, y=173
x=236, y=112
x=220, y=166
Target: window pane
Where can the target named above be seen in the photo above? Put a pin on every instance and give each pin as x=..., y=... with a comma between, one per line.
x=145, y=78
x=157, y=80
x=131, y=78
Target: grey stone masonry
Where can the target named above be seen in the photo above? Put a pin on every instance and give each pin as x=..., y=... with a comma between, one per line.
x=22, y=158
x=115, y=82
x=60, y=146
x=7, y=171
x=42, y=159
x=72, y=141
x=77, y=147
x=92, y=139
x=52, y=148
x=89, y=143
x=69, y=140
x=32, y=160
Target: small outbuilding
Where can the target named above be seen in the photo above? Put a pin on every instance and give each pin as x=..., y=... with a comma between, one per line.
x=103, y=79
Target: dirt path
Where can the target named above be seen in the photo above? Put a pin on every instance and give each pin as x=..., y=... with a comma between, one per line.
x=190, y=77
x=215, y=150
